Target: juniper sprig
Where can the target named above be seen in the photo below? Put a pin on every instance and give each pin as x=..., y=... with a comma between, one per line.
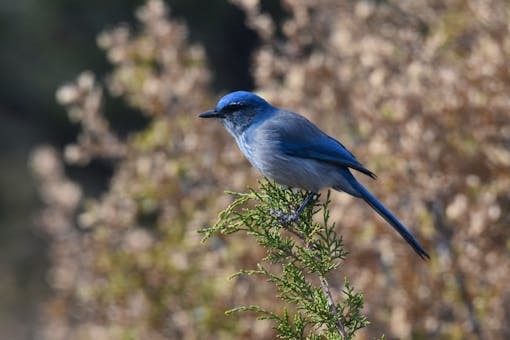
x=304, y=252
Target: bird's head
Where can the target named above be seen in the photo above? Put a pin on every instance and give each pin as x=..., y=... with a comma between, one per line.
x=238, y=110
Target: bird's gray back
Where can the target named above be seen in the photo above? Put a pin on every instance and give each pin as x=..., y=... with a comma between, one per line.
x=266, y=145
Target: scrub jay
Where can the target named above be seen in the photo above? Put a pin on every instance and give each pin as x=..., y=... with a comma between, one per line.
x=288, y=148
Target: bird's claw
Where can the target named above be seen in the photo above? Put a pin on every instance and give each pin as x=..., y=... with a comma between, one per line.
x=285, y=218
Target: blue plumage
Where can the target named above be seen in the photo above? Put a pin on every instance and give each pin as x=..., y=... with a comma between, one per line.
x=289, y=149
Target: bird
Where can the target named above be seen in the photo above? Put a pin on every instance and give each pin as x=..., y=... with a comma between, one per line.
x=288, y=148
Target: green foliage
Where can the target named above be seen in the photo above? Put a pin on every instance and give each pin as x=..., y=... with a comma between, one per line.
x=300, y=254
x=434, y=127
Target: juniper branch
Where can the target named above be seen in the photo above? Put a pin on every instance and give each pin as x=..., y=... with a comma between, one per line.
x=302, y=248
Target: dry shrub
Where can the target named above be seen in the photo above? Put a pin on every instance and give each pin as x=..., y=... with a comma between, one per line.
x=418, y=90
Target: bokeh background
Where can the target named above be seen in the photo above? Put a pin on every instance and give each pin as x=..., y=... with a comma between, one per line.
x=48, y=43
x=106, y=173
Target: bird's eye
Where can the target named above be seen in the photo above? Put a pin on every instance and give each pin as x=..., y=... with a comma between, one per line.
x=233, y=107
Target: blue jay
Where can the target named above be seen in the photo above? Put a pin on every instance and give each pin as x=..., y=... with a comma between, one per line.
x=288, y=148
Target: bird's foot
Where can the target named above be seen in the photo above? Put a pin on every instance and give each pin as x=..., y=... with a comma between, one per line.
x=290, y=218
x=285, y=218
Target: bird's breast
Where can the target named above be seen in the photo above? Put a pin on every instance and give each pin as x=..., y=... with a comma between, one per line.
x=248, y=148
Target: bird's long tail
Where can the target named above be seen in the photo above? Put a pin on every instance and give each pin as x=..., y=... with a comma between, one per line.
x=392, y=220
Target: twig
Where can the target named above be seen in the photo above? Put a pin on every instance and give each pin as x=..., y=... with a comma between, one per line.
x=324, y=282
x=325, y=288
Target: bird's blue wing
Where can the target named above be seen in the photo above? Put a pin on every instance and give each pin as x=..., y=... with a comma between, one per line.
x=298, y=137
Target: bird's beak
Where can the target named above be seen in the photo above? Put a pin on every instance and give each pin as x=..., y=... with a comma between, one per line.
x=211, y=114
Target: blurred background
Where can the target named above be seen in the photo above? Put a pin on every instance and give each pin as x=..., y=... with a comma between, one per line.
x=46, y=44
x=106, y=175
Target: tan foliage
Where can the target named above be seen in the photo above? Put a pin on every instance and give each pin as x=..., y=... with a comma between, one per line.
x=418, y=90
